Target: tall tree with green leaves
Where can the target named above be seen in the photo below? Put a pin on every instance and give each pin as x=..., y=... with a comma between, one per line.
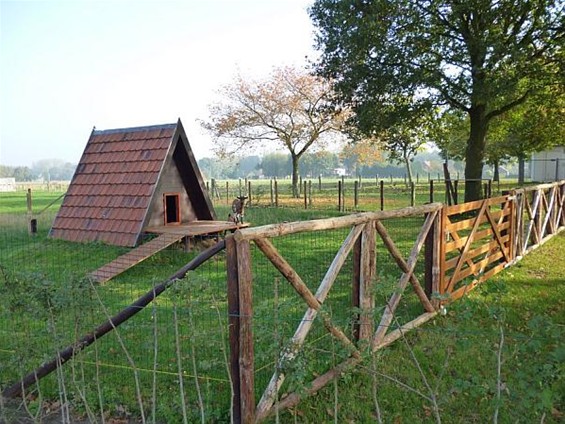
x=482, y=57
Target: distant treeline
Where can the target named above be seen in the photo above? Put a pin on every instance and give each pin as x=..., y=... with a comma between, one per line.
x=46, y=170
x=327, y=164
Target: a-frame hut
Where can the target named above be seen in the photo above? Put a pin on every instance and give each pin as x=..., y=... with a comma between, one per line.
x=130, y=180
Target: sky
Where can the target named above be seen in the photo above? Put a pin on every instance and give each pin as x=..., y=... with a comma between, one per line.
x=67, y=66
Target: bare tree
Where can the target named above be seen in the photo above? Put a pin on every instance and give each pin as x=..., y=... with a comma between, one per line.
x=290, y=109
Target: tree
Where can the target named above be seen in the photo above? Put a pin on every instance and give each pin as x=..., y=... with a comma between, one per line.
x=482, y=57
x=402, y=143
x=364, y=152
x=319, y=163
x=536, y=125
x=276, y=165
x=290, y=109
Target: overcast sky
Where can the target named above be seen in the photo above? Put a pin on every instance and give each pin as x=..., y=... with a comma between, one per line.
x=66, y=66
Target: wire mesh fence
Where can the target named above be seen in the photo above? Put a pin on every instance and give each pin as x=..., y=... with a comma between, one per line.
x=349, y=194
x=167, y=363
x=171, y=361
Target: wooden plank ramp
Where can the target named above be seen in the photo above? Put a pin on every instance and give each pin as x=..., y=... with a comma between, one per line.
x=135, y=256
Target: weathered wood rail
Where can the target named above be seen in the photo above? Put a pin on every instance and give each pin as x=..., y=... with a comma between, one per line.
x=464, y=245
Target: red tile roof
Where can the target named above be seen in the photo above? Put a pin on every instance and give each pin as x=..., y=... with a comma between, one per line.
x=113, y=185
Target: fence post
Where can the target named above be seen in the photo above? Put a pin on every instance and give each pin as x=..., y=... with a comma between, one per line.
x=432, y=250
x=431, y=191
x=276, y=193
x=356, y=194
x=240, y=309
x=305, y=194
x=412, y=194
x=272, y=194
x=320, y=182
x=339, y=188
x=456, y=192
x=249, y=192
x=233, y=326
x=382, y=195
x=310, y=193
x=227, y=192
x=364, y=267
x=30, y=224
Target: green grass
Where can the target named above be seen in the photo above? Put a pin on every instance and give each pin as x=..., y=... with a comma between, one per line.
x=458, y=355
x=59, y=307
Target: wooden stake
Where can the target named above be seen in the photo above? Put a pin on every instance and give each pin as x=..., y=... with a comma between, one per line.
x=246, y=350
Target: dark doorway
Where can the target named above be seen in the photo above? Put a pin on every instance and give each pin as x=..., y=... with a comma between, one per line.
x=172, y=208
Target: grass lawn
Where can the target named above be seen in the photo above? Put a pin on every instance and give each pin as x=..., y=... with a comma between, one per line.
x=519, y=314
x=178, y=345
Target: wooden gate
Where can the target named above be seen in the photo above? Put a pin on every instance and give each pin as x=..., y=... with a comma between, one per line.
x=477, y=243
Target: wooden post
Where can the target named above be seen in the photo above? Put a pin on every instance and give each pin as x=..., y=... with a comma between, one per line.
x=239, y=188
x=276, y=193
x=227, y=192
x=485, y=191
x=320, y=182
x=367, y=277
x=432, y=261
x=412, y=194
x=305, y=194
x=249, y=192
x=299, y=185
x=417, y=177
x=233, y=326
x=208, y=187
x=441, y=250
x=29, y=212
x=272, y=194
x=356, y=194
x=355, y=289
x=246, y=350
x=310, y=193
x=431, y=191
x=382, y=195
x=455, y=192
x=339, y=188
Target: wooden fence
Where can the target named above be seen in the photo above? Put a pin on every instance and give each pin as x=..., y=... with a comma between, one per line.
x=464, y=245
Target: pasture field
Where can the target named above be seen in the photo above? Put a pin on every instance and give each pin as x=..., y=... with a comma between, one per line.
x=170, y=360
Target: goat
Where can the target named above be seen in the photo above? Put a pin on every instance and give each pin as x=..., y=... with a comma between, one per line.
x=238, y=207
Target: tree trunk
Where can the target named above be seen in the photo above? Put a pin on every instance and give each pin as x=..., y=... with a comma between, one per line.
x=295, y=159
x=475, y=153
x=521, y=170
x=408, y=170
x=496, y=176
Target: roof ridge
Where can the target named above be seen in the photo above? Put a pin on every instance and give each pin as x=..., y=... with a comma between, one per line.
x=133, y=129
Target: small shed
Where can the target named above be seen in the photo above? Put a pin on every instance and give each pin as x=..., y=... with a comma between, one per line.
x=130, y=179
x=548, y=165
